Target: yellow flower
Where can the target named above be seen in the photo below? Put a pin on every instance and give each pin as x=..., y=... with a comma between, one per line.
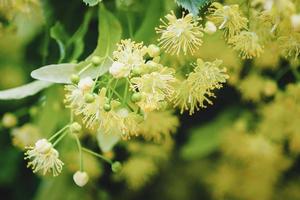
x=155, y=88
x=177, y=35
x=193, y=92
x=247, y=43
x=129, y=55
x=290, y=45
x=228, y=18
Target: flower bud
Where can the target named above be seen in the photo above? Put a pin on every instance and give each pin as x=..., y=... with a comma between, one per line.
x=116, y=167
x=136, y=97
x=75, y=79
x=210, y=28
x=81, y=178
x=136, y=71
x=153, y=50
x=75, y=127
x=89, y=98
x=107, y=107
x=96, y=60
x=43, y=146
x=9, y=120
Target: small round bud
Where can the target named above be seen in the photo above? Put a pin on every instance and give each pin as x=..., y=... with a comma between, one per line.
x=81, y=178
x=153, y=50
x=210, y=28
x=107, y=107
x=96, y=60
x=89, y=98
x=75, y=79
x=75, y=127
x=9, y=120
x=116, y=167
x=136, y=71
x=136, y=97
x=156, y=59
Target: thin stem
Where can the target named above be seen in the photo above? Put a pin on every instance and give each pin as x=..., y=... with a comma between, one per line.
x=80, y=152
x=125, y=93
x=98, y=74
x=85, y=68
x=113, y=90
x=60, y=138
x=97, y=155
x=58, y=132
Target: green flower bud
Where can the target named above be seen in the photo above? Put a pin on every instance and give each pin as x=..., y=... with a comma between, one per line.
x=89, y=98
x=75, y=127
x=96, y=60
x=116, y=167
x=136, y=97
x=75, y=79
x=136, y=71
x=107, y=107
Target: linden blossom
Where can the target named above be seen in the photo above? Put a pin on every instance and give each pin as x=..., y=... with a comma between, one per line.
x=183, y=34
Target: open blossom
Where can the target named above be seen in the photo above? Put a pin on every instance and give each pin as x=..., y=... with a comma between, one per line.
x=197, y=89
x=44, y=158
x=180, y=35
x=74, y=97
x=247, y=43
x=154, y=87
x=129, y=55
x=228, y=18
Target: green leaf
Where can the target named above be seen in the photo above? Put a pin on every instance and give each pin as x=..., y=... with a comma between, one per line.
x=192, y=5
x=206, y=139
x=147, y=30
x=91, y=2
x=77, y=40
x=58, y=33
x=109, y=34
x=24, y=90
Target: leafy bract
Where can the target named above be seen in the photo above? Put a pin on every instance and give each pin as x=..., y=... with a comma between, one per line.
x=192, y=5
x=109, y=34
x=24, y=90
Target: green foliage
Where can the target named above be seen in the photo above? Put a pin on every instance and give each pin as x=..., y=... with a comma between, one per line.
x=192, y=5
x=206, y=139
x=151, y=20
x=58, y=33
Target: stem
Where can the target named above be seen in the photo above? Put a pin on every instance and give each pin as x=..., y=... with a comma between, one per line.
x=58, y=132
x=80, y=152
x=97, y=155
x=60, y=138
x=125, y=93
x=85, y=68
x=98, y=73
